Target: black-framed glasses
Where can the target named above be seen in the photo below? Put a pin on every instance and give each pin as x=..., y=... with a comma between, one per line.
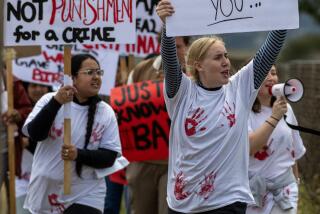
x=90, y=72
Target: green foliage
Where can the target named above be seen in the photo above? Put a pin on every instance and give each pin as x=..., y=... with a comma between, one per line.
x=293, y=50
x=306, y=204
x=312, y=7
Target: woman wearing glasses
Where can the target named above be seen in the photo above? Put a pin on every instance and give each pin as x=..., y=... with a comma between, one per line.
x=94, y=149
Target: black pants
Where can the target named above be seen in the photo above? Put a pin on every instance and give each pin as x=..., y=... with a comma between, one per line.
x=235, y=208
x=80, y=208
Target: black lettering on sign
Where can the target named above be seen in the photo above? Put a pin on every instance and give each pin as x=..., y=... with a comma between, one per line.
x=26, y=10
x=145, y=25
x=140, y=134
x=147, y=7
x=55, y=47
x=228, y=10
x=158, y=83
x=144, y=138
x=51, y=35
x=133, y=93
x=138, y=111
x=73, y=35
x=158, y=134
x=123, y=96
x=145, y=94
x=31, y=63
x=25, y=35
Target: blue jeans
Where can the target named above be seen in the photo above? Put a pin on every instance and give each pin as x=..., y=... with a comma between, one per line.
x=113, y=197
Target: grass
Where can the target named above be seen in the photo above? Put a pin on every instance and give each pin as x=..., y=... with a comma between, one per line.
x=306, y=205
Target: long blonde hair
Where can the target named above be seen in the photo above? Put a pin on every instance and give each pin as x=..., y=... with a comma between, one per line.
x=197, y=53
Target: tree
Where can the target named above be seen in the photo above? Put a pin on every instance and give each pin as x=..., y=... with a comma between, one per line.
x=312, y=7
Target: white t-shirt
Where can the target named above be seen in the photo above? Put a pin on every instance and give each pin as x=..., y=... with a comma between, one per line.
x=23, y=182
x=284, y=147
x=209, y=148
x=46, y=184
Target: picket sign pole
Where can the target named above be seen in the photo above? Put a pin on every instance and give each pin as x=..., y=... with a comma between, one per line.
x=9, y=56
x=131, y=62
x=67, y=122
x=123, y=70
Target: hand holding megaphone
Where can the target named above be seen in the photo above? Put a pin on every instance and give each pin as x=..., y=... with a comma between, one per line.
x=279, y=108
x=292, y=90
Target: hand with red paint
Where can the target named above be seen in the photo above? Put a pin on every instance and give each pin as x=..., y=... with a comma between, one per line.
x=191, y=123
x=164, y=9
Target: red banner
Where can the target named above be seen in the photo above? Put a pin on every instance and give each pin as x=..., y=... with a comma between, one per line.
x=143, y=120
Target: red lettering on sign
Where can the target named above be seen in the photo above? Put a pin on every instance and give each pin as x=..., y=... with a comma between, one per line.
x=89, y=12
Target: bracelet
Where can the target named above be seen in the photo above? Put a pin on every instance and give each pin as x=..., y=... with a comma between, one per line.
x=270, y=124
x=274, y=118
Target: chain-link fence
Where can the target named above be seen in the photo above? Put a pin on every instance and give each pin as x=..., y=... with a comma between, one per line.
x=307, y=112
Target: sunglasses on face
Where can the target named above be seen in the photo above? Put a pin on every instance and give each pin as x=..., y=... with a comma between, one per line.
x=91, y=72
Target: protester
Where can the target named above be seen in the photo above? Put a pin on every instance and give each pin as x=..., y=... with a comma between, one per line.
x=147, y=180
x=208, y=144
x=274, y=149
x=35, y=92
x=22, y=107
x=94, y=149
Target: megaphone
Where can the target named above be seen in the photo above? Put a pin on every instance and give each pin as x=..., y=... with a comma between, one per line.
x=292, y=89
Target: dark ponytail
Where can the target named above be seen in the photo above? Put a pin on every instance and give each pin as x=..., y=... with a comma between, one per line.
x=76, y=62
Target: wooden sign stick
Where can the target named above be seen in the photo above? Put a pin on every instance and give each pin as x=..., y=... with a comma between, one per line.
x=67, y=122
x=9, y=56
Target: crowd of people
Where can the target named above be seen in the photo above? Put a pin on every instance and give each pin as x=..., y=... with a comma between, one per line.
x=230, y=149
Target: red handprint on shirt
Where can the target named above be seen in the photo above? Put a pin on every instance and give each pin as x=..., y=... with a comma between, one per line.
x=229, y=113
x=97, y=133
x=292, y=153
x=55, y=132
x=191, y=123
x=179, y=185
x=207, y=185
x=53, y=201
x=265, y=152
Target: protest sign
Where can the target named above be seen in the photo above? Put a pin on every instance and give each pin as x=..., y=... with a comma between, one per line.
x=230, y=16
x=148, y=26
x=143, y=120
x=47, y=68
x=42, y=22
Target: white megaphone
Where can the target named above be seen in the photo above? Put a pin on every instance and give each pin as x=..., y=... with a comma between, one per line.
x=292, y=89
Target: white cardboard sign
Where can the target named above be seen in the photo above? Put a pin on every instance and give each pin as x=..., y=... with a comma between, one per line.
x=200, y=17
x=47, y=68
x=42, y=22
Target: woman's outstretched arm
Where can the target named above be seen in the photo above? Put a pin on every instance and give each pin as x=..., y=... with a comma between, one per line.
x=267, y=55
